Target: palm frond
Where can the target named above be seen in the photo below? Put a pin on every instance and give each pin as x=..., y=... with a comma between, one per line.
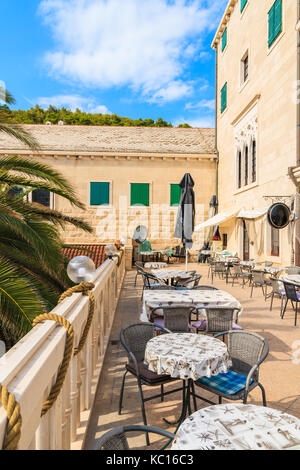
x=6, y=96
x=19, y=133
x=33, y=168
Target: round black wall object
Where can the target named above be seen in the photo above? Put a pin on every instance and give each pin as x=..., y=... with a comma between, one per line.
x=279, y=215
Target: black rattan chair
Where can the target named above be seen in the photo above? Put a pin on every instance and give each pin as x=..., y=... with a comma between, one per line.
x=258, y=280
x=218, y=320
x=134, y=339
x=139, y=270
x=174, y=319
x=237, y=272
x=294, y=297
x=277, y=291
x=116, y=439
x=247, y=351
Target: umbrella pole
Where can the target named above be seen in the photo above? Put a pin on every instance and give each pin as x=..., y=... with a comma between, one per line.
x=186, y=261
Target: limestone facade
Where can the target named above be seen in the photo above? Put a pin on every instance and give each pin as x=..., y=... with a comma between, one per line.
x=121, y=156
x=257, y=127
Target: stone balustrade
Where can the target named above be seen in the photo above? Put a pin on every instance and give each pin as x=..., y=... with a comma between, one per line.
x=30, y=368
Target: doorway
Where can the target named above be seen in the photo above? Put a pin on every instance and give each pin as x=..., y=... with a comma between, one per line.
x=246, y=243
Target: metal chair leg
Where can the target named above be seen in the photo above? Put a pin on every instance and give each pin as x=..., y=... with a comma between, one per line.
x=122, y=392
x=272, y=298
x=296, y=313
x=263, y=394
x=284, y=310
x=194, y=397
x=143, y=410
x=162, y=393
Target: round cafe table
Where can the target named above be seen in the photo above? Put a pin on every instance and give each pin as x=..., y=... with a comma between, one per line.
x=187, y=356
x=155, y=265
x=238, y=427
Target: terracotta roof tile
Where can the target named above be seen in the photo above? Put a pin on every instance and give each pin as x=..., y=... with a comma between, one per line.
x=95, y=252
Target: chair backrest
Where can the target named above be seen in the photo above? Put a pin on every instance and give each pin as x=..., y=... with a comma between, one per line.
x=177, y=250
x=268, y=264
x=292, y=270
x=290, y=290
x=246, y=349
x=145, y=246
x=116, y=439
x=197, y=280
x=135, y=338
x=219, y=267
x=258, y=277
x=275, y=285
x=206, y=288
x=176, y=319
x=139, y=264
x=219, y=319
x=148, y=277
x=182, y=251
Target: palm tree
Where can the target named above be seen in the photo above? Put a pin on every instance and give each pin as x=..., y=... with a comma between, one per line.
x=32, y=266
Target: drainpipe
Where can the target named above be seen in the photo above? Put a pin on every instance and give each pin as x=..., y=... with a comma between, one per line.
x=297, y=208
x=216, y=127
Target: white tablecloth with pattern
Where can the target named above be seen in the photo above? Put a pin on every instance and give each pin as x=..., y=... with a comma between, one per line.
x=155, y=265
x=238, y=427
x=293, y=278
x=166, y=274
x=187, y=356
x=200, y=299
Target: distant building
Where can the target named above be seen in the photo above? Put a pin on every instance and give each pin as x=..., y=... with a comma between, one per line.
x=126, y=176
x=257, y=119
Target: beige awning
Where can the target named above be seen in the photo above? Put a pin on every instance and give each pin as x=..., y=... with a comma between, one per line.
x=252, y=214
x=216, y=220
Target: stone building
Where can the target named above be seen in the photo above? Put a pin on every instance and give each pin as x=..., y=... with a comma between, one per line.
x=257, y=136
x=126, y=177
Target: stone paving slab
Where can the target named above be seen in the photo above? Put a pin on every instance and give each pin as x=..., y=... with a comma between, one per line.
x=280, y=375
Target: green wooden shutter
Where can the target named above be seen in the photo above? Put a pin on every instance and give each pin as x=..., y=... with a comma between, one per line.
x=224, y=39
x=175, y=194
x=99, y=194
x=224, y=98
x=243, y=4
x=275, y=21
x=139, y=194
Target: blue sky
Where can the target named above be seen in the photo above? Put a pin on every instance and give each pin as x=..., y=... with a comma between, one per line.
x=135, y=58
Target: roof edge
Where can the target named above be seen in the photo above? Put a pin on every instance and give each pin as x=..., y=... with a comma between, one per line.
x=222, y=25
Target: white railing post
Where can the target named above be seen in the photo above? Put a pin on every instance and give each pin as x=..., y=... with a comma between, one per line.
x=30, y=369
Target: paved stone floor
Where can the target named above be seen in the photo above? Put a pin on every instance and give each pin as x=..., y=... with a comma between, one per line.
x=279, y=374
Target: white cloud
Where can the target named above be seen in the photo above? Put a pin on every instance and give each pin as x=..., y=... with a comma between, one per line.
x=143, y=44
x=209, y=104
x=207, y=121
x=72, y=102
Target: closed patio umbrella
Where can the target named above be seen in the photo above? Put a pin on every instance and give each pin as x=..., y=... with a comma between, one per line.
x=185, y=221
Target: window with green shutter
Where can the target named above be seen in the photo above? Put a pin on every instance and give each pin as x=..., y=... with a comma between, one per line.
x=224, y=39
x=243, y=4
x=139, y=194
x=99, y=194
x=175, y=194
x=275, y=21
x=224, y=98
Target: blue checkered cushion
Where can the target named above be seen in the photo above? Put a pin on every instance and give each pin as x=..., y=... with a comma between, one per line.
x=229, y=384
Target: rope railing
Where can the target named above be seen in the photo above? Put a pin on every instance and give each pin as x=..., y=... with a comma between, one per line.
x=12, y=408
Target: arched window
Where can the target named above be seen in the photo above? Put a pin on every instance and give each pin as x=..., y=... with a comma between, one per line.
x=254, y=161
x=246, y=165
x=239, y=164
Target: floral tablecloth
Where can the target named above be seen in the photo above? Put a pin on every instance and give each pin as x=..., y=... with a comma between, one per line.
x=154, y=265
x=187, y=356
x=200, y=299
x=293, y=278
x=238, y=427
x=166, y=274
